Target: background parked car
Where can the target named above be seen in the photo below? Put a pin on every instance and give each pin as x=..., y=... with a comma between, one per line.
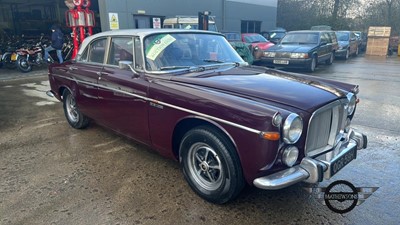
x=245, y=50
x=301, y=49
x=275, y=35
x=362, y=40
x=258, y=42
x=348, y=44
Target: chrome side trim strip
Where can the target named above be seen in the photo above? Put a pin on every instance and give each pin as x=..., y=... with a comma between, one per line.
x=166, y=104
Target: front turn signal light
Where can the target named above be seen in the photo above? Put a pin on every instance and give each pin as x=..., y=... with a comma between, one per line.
x=271, y=136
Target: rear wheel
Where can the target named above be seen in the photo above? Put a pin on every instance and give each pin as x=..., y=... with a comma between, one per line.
x=330, y=60
x=74, y=117
x=210, y=165
x=23, y=65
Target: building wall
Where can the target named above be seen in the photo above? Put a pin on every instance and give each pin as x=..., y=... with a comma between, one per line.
x=229, y=13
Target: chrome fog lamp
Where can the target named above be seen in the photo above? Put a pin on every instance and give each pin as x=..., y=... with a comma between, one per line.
x=290, y=155
x=351, y=106
x=292, y=128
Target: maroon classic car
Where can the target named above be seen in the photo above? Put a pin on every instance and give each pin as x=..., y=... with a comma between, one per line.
x=188, y=95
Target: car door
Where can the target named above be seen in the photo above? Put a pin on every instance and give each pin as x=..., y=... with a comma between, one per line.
x=325, y=47
x=85, y=71
x=353, y=43
x=122, y=93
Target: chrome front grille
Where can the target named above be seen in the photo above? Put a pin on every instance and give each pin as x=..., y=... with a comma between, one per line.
x=282, y=55
x=326, y=128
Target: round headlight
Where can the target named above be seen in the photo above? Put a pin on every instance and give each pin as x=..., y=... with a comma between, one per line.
x=292, y=128
x=351, y=106
x=290, y=155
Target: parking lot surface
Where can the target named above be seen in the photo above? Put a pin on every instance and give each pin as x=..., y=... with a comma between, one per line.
x=51, y=173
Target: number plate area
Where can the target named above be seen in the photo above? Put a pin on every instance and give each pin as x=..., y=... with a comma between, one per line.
x=336, y=162
x=281, y=62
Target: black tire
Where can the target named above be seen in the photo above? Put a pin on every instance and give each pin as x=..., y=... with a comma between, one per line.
x=313, y=64
x=74, y=117
x=347, y=56
x=23, y=65
x=210, y=165
x=330, y=60
x=8, y=63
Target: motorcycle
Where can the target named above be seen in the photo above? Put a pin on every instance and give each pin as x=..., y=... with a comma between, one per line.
x=34, y=55
x=9, y=54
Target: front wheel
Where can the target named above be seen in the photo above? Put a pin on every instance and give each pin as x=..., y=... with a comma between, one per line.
x=313, y=64
x=74, y=117
x=210, y=165
x=347, y=56
x=23, y=65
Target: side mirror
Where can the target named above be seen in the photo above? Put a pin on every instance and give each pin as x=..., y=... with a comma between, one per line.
x=323, y=43
x=125, y=65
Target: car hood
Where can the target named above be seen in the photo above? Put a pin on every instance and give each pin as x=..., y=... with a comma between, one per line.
x=343, y=43
x=292, y=48
x=295, y=90
x=263, y=45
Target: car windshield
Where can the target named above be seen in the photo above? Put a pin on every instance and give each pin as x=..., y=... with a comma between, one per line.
x=300, y=38
x=277, y=35
x=342, y=36
x=176, y=51
x=256, y=38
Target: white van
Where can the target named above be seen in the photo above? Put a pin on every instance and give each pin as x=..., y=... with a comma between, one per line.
x=188, y=22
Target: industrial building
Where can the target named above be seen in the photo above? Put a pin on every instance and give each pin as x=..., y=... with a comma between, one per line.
x=33, y=17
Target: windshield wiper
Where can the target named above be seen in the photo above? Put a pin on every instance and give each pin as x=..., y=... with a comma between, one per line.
x=213, y=60
x=174, y=67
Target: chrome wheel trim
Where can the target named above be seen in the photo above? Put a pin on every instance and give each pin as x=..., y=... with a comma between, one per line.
x=72, y=111
x=24, y=63
x=205, y=167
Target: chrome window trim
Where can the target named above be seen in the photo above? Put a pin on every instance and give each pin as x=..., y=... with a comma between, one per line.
x=258, y=132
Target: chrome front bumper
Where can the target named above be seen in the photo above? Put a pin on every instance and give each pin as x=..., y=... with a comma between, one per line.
x=313, y=170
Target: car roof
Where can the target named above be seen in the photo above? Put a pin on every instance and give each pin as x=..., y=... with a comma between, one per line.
x=140, y=33
x=308, y=31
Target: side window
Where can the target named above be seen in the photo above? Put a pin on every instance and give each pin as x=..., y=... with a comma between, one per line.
x=97, y=50
x=84, y=56
x=121, y=49
x=138, y=54
x=325, y=38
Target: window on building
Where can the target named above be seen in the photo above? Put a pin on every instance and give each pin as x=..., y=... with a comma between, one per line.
x=249, y=26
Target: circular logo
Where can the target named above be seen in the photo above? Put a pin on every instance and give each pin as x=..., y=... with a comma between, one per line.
x=341, y=196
